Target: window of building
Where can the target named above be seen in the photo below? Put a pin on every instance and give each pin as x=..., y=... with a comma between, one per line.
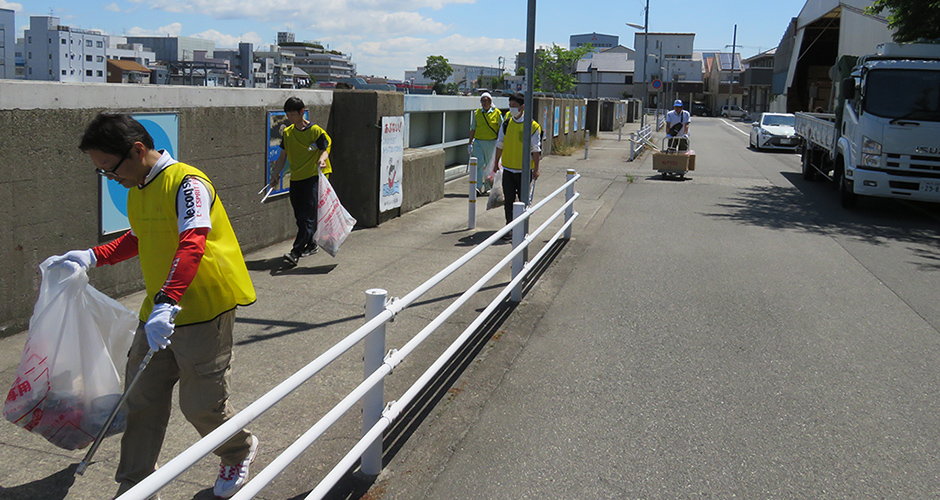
x=64, y=73
x=100, y=59
x=87, y=72
x=628, y=79
x=63, y=41
x=88, y=43
x=88, y=58
x=98, y=72
x=99, y=44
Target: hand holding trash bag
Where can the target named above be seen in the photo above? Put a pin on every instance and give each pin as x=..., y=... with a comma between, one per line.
x=84, y=258
x=160, y=325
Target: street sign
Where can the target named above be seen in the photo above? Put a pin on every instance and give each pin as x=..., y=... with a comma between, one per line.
x=656, y=85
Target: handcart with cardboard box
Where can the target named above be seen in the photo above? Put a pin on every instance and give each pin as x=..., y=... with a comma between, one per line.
x=670, y=162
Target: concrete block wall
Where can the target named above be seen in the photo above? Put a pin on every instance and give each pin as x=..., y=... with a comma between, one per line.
x=49, y=191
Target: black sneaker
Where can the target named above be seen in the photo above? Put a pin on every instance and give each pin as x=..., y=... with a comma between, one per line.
x=310, y=250
x=507, y=236
x=290, y=259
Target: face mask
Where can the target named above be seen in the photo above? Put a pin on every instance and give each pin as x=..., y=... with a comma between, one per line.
x=516, y=113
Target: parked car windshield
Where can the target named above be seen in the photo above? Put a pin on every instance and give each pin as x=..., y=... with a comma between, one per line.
x=903, y=93
x=772, y=120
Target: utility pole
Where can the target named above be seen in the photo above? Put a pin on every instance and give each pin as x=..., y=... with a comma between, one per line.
x=529, y=111
x=734, y=46
x=646, y=28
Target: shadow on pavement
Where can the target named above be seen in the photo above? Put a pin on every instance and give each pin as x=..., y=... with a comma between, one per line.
x=54, y=487
x=354, y=484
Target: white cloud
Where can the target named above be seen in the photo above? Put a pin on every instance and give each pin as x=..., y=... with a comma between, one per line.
x=112, y=7
x=11, y=6
x=393, y=56
x=173, y=29
x=229, y=41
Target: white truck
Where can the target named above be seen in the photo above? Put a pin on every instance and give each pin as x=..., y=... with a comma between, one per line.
x=884, y=139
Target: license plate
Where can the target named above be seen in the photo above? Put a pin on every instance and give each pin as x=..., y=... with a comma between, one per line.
x=930, y=187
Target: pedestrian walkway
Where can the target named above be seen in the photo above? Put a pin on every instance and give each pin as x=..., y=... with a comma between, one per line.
x=303, y=311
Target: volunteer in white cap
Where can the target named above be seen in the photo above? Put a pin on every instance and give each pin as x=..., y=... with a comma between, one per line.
x=677, y=127
x=484, y=127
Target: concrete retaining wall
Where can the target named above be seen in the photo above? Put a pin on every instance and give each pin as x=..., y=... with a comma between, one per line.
x=49, y=191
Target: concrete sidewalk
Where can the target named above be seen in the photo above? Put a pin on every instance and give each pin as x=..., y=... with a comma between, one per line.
x=302, y=312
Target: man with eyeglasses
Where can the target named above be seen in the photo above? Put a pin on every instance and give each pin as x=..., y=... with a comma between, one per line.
x=195, y=277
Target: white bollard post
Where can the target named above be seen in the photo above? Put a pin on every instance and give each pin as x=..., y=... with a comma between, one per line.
x=518, y=234
x=373, y=402
x=472, y=209
x=569, y=193
x=587, y=143
x=632, y=146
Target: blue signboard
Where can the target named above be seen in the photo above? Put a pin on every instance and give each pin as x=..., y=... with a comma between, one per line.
x=277, y=122
x=164, y=129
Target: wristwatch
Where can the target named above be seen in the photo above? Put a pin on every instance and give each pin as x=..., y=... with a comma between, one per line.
x=162, y=298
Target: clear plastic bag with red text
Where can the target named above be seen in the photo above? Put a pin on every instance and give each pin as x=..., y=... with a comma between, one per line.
x=69, y=376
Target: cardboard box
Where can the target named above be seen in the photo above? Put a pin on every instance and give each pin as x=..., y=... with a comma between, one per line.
x=681, y=162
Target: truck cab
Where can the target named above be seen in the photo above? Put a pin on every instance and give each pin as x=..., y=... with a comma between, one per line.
x=885, y=136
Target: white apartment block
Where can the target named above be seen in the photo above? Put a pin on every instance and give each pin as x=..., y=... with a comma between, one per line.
x=7, y=43
x=63, y=54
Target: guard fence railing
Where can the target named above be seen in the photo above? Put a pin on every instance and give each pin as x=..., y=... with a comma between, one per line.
x=377, y=416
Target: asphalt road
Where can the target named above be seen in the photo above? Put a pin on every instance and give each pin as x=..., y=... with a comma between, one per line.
x=733, y=335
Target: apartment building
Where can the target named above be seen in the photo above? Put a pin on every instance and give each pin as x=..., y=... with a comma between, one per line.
x=55, y=52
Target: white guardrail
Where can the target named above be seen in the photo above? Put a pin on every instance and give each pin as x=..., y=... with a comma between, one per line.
x=639, y=140
x=378, y=363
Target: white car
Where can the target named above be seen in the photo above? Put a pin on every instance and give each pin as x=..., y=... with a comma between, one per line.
x=733, y=111
x=774, y=131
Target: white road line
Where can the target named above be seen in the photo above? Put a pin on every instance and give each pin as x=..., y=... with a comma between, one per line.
x=735, y=127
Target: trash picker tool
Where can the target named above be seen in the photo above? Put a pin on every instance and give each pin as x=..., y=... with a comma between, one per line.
x=107, y=425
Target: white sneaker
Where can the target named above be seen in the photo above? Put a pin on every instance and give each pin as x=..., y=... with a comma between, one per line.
x=233, y=477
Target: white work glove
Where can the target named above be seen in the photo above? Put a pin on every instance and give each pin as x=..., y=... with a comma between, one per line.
x=470, y=148
x=84, y=258
x=160, y=325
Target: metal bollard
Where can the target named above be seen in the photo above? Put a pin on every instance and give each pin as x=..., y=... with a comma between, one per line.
x=472, y=205
x=373, y=402
x=569, y=193
x=587, y=143
x=518, y=234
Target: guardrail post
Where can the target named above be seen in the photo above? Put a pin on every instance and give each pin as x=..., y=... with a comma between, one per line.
x=472, y=209
x=518, y=234
x=374, y=400
x=569, y=193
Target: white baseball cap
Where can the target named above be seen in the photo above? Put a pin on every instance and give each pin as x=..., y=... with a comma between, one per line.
x=677, y=103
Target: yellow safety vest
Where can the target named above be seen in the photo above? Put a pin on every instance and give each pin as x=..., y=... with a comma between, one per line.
x=512, y=144
x=303, y=162
x=222, y=281
x=487, y=123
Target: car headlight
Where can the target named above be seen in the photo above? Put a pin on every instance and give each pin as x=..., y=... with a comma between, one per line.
x=871, y=152
x=765, y=133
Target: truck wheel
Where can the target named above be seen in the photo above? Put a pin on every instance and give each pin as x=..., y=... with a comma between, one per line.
x=809, y=173
x=847, y=198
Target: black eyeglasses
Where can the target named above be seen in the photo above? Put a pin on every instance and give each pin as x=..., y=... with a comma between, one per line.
x=112, y=173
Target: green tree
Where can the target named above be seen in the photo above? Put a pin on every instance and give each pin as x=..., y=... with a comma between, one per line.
x=912, y=19
x=555, y=68
x=437, y=69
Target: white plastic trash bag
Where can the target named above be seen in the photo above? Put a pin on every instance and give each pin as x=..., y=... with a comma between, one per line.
x=496, y=199
x=333, y=221
x=69, y=376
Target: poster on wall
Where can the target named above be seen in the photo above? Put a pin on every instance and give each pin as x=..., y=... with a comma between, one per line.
x=112, y=201
x=393, y=145
x=276, y=123
x=584, y=116
x=576, y=113
x=567, y=118
x=557, y=119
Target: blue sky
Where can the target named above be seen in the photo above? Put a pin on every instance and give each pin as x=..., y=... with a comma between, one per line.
x=386, y=37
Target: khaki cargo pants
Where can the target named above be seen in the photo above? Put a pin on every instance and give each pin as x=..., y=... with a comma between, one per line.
x=199, y=357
